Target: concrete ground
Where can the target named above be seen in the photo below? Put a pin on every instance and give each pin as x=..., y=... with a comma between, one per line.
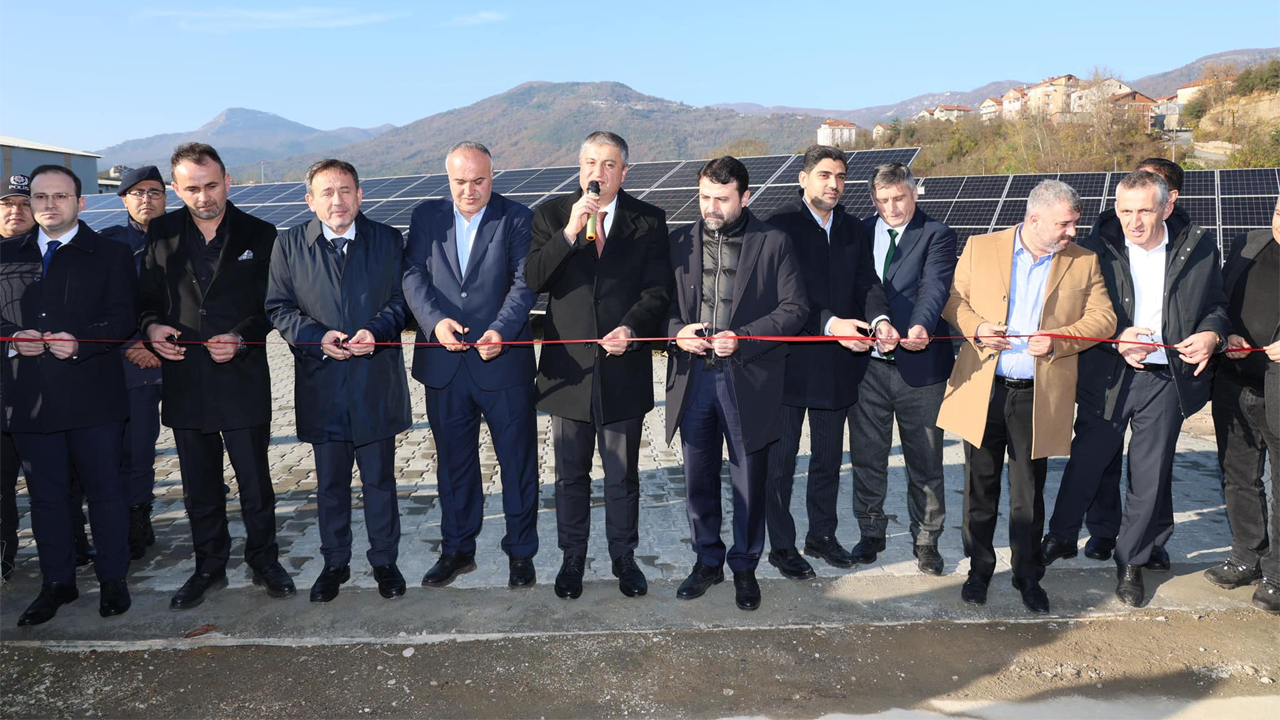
x=883, y=638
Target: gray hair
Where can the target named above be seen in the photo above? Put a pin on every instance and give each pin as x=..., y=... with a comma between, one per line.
x=1139, y=179
x=604, y=137
x=890, y=174
x=331, y=164
x=1050, y=193
x=470, y=145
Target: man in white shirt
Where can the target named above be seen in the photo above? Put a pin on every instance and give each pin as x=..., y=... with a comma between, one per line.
x=1164, y=280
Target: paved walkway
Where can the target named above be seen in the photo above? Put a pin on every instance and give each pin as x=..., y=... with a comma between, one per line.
x=1201, y=538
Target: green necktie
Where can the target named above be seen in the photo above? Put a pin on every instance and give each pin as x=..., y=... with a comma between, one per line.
x=888, y=257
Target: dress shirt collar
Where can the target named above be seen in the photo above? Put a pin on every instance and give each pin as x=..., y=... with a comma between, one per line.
x=43, y=240
x=329, y=234
x=461, y=222
x=831, y=217
x=1164, y=243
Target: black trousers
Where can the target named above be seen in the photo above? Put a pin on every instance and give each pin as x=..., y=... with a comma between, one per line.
x=138, y=449
x=575, y=445
x=882, y=396
x=1245, y=440
x=334, y=461
x=200, y=460
x=1148, y=406
x=9, y=467
x=710, y=421
x=822, y=489
x=454, y=412
x=47, y=462
x=1008, y=430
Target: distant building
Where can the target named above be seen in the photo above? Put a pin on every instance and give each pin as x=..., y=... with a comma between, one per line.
x=951, y=113
x=990, y=108
x=23, y=156
x=1167, y=114
x=925, y=114
x=1136, y=105
x=1052, y=96
x=1011, y=103
x=1188, y=92
x=1089, y=97
x=880, y=132
x=838, y=133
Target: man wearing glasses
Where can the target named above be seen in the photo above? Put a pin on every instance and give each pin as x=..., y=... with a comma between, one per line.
x=143, y=193
x=65, y=295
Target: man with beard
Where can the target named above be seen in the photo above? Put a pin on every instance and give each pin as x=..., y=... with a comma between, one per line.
x=204, y=283
x=735, y=276
x=1013, y=395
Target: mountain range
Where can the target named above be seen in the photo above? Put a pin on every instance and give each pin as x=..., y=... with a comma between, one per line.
x=540, y=124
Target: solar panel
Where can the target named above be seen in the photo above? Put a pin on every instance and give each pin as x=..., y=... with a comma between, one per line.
x=387, y=209
x=1011, y=213
x=1199, y=183
x=99, y=219
x=1248, y=211
x=392, y=187
x=277, y=214
x=1203, y=211
x=295, y=192
x=684, y=176
x=509, y=180
x=936, y=209
x=975, y=213
x=670, y=200
x=643, y=176
x=547, y=180
x=940, y=188
x=104, y=201
x=762, y=169
x=771, y=198
x=1257, y=181
x=1089, y=185
x=1089, y=210
x=983, y=187
x=1022, y=185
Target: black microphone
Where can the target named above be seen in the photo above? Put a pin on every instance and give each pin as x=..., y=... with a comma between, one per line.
x=593, y=188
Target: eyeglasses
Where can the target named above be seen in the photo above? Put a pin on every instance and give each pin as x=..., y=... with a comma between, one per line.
x=44, y=198
x=146, y=194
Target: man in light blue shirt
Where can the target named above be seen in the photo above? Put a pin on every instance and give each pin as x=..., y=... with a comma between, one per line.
x=1026, y=302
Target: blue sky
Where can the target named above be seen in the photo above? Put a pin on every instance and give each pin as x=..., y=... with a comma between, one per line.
x=90, y=74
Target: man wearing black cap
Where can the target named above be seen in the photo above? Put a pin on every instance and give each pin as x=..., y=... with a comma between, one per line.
x=143, y=193
x=15, y=219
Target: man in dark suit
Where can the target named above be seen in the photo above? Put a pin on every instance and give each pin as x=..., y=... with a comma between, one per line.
x=202, y=295
x=142, y=191
x=464, y=281
x=833, y=251
x=69, y=295
x=334, y=292
x=614, y=288
x=915, y=257
x=735, y=276
x=1246, y=412
x=1165, y=283
x=15, y=220
x=1103, y=518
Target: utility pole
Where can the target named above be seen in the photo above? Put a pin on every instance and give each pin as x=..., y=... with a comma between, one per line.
x=262, y=168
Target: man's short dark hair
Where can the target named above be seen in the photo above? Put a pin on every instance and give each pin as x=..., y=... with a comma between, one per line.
x=198, y=153
x=817, y=153
x=724, y=170
x=46, y=169
x=604, y=137
x=331, y=164
x=1167, y=169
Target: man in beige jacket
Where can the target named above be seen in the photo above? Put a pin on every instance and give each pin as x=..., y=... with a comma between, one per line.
x=1015, y=395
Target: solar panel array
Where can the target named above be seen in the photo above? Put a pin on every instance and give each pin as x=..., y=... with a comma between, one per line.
x=1226, y=203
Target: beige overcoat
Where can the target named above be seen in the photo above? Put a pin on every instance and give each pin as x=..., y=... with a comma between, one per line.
x=1075, y=303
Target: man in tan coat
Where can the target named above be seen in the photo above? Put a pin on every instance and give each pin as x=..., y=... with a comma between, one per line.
x=1013, y=387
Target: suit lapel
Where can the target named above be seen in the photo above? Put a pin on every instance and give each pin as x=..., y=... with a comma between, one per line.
x=752, y=239
x=451, y=241
x=695, y=274
x=1004, y=258
x=235, y=245
x=1058, y=267
x=623, y=222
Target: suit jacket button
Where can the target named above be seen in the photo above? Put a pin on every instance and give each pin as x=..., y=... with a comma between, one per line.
x=203, y=311
x=464, y=293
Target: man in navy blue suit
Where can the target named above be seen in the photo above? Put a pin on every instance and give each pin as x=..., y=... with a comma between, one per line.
x=915, y=257
x=67, y=296
x=334, y=294
x=464, y=281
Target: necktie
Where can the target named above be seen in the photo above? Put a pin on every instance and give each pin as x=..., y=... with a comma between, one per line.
x=600, y=233
x=888, y=257
x=48, y=253
x=340, y=244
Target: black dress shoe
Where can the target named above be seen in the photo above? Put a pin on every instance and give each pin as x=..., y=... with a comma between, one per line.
x=829, y=549
x=522, y=573
x=1267, y=597
x=1159, y=560
x=114, y=598
x=277, y=581
x=928, y=559
x=1033, y=596
x=331, y=579
x=1130, y=589
x=51, y=597
x=1099, y=548
x=1231, y=574
x=448, y=568
x=865, y=552
x=746, y=591
x=631, y=581
x=141, y=534
x=791, y=564
x=700, y=579
x=569, y=579
x=974, y=590
x=390, y=581
x=1054, y=548
x=192, y=591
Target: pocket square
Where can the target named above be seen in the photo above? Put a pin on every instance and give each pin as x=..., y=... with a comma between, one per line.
x=246, y=255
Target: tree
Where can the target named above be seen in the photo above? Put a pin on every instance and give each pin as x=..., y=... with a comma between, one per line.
x=742, y=147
